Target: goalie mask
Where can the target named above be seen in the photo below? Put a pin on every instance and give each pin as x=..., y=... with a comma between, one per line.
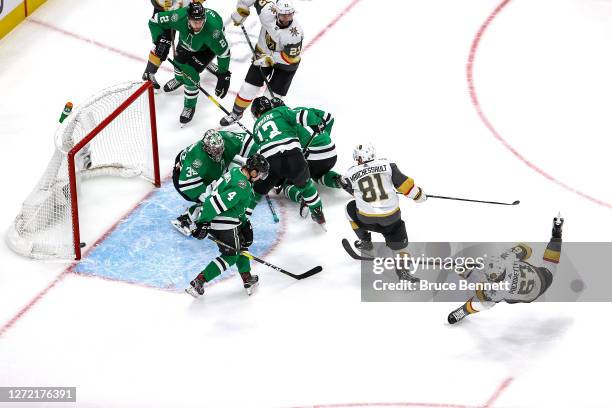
x=196, y=17
x=212, y=143
x=365, y=152
x=284, y=13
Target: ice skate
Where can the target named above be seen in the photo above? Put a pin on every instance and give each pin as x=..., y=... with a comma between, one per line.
x=148, y=76
x=183, y=224
x=317, y=215
x=251, y=284
x=457, y=314
x=172, y=85
x=186, y=116
x=196, y=288
x=230, y=119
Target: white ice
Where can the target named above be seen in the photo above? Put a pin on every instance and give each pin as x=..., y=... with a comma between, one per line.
x=394, y=73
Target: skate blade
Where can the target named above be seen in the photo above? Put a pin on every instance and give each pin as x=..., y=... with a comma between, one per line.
x=324, y=226
x=251, y=290
x=190, y=290
x=180, y=229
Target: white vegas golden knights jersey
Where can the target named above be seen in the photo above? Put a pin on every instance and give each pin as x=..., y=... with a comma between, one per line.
x=373, y=188
x=284, y=45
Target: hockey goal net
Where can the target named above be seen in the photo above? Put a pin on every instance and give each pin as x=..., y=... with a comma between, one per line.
x=112, y=134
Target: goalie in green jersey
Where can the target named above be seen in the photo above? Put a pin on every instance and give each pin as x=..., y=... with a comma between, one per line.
x=223, y=216
x=201, y=38
x=197, y=169
x=320, y=154
x=275, y=136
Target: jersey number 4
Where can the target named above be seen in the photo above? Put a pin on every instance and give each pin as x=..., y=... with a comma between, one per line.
x=371, y=192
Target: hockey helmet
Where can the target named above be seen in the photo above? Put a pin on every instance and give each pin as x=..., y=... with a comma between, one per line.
x=258, y=163
x=196, y=16
x=495, y=269
x=212, y=143
x=260, y=106
x=284, y=13
x=276, y=102
x=365, y=152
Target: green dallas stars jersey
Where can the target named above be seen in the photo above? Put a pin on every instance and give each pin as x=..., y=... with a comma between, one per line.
x=198, y=170
x=277, y=131
x=226, y=206
x=321, y=147
x=211, y=35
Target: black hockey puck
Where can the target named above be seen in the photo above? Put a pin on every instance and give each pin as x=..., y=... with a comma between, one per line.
x=82, y=244
x=577, y=285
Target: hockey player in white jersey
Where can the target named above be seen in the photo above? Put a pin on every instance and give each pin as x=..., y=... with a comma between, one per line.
x=277, y=51
x=373, y=183
x=526, y=282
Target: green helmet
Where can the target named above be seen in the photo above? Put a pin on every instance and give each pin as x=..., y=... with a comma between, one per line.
x=212, y=143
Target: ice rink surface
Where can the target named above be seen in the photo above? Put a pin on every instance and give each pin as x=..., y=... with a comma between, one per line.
x=486, y=99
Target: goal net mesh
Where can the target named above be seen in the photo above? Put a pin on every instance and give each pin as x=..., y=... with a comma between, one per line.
x=109, y=135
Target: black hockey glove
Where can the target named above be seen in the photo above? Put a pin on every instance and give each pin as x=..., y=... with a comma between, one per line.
x=223, y=84
x=246, y=234
x=162, y=47
x=201, y=230
x=320, y=128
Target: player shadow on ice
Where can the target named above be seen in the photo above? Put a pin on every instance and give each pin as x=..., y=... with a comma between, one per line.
x=515, y=338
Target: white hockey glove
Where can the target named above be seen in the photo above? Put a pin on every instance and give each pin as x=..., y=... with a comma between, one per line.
x=265, y=61
x=240, y=15
x=420, y=196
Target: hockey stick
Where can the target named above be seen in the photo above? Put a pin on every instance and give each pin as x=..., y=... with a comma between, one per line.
x=353, y=254
x=517, y=202
x=249, y=255
x=248, y=39
x=349, y=250
x=274, y=216
x=209, y=96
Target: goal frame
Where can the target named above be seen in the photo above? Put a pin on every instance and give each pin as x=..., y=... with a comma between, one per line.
x=146, y=87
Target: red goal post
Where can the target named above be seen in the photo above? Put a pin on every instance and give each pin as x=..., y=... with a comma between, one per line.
x=114, y=133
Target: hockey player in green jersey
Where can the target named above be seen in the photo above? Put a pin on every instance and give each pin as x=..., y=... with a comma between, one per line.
x=320, y=154
x=198, y=167
x=275, y=136
x=223, y=216
x=163, y=43
x=201, y=37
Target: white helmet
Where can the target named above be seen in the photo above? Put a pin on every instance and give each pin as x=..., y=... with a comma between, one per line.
x=284, y=7
x=495, y=268
x=365, y=152
x=284, y=13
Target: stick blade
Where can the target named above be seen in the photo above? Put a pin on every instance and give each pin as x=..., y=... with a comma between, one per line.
x=517, y=202
x=311, y=272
